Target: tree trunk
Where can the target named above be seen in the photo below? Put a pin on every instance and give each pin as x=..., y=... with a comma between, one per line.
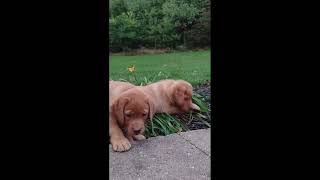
x=184, y=39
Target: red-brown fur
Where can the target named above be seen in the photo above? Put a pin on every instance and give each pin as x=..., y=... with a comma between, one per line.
x=170, y=96
x=129, y=108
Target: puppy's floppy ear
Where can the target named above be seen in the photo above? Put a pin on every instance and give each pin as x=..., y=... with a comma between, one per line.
x=151, y=109
x=173, y=93
x=177, y=94
x=118, y=109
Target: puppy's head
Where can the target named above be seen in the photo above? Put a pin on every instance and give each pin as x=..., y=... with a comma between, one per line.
x=132, y=109
x=181, y=96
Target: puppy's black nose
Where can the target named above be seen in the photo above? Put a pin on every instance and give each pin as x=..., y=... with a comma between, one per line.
x=137, y=131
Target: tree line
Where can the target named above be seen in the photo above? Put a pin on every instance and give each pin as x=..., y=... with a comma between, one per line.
x=158, y=24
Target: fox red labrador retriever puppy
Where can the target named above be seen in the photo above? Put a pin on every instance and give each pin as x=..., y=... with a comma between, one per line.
x=170, y=96
x=129, y=108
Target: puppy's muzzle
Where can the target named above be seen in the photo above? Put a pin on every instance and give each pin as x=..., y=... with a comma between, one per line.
x=136, y=132
x=195, y=107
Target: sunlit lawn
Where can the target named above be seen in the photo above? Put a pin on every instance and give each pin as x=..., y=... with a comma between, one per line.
x=193, y=66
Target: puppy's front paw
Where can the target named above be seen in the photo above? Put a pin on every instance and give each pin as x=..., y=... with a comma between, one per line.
x=139, y=137
x=120, y=144
x=130, y=138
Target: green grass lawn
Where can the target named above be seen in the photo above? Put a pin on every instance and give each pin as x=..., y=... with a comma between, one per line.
x=193, y=66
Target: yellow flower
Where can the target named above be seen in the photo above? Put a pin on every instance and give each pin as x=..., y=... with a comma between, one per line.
x=131, y=69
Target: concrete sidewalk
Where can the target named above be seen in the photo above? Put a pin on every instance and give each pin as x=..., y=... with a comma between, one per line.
x=183, y=156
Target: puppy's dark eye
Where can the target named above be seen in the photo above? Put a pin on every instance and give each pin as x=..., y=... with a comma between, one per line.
x=186, y=99
x=144, y=114
x=127, y=115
